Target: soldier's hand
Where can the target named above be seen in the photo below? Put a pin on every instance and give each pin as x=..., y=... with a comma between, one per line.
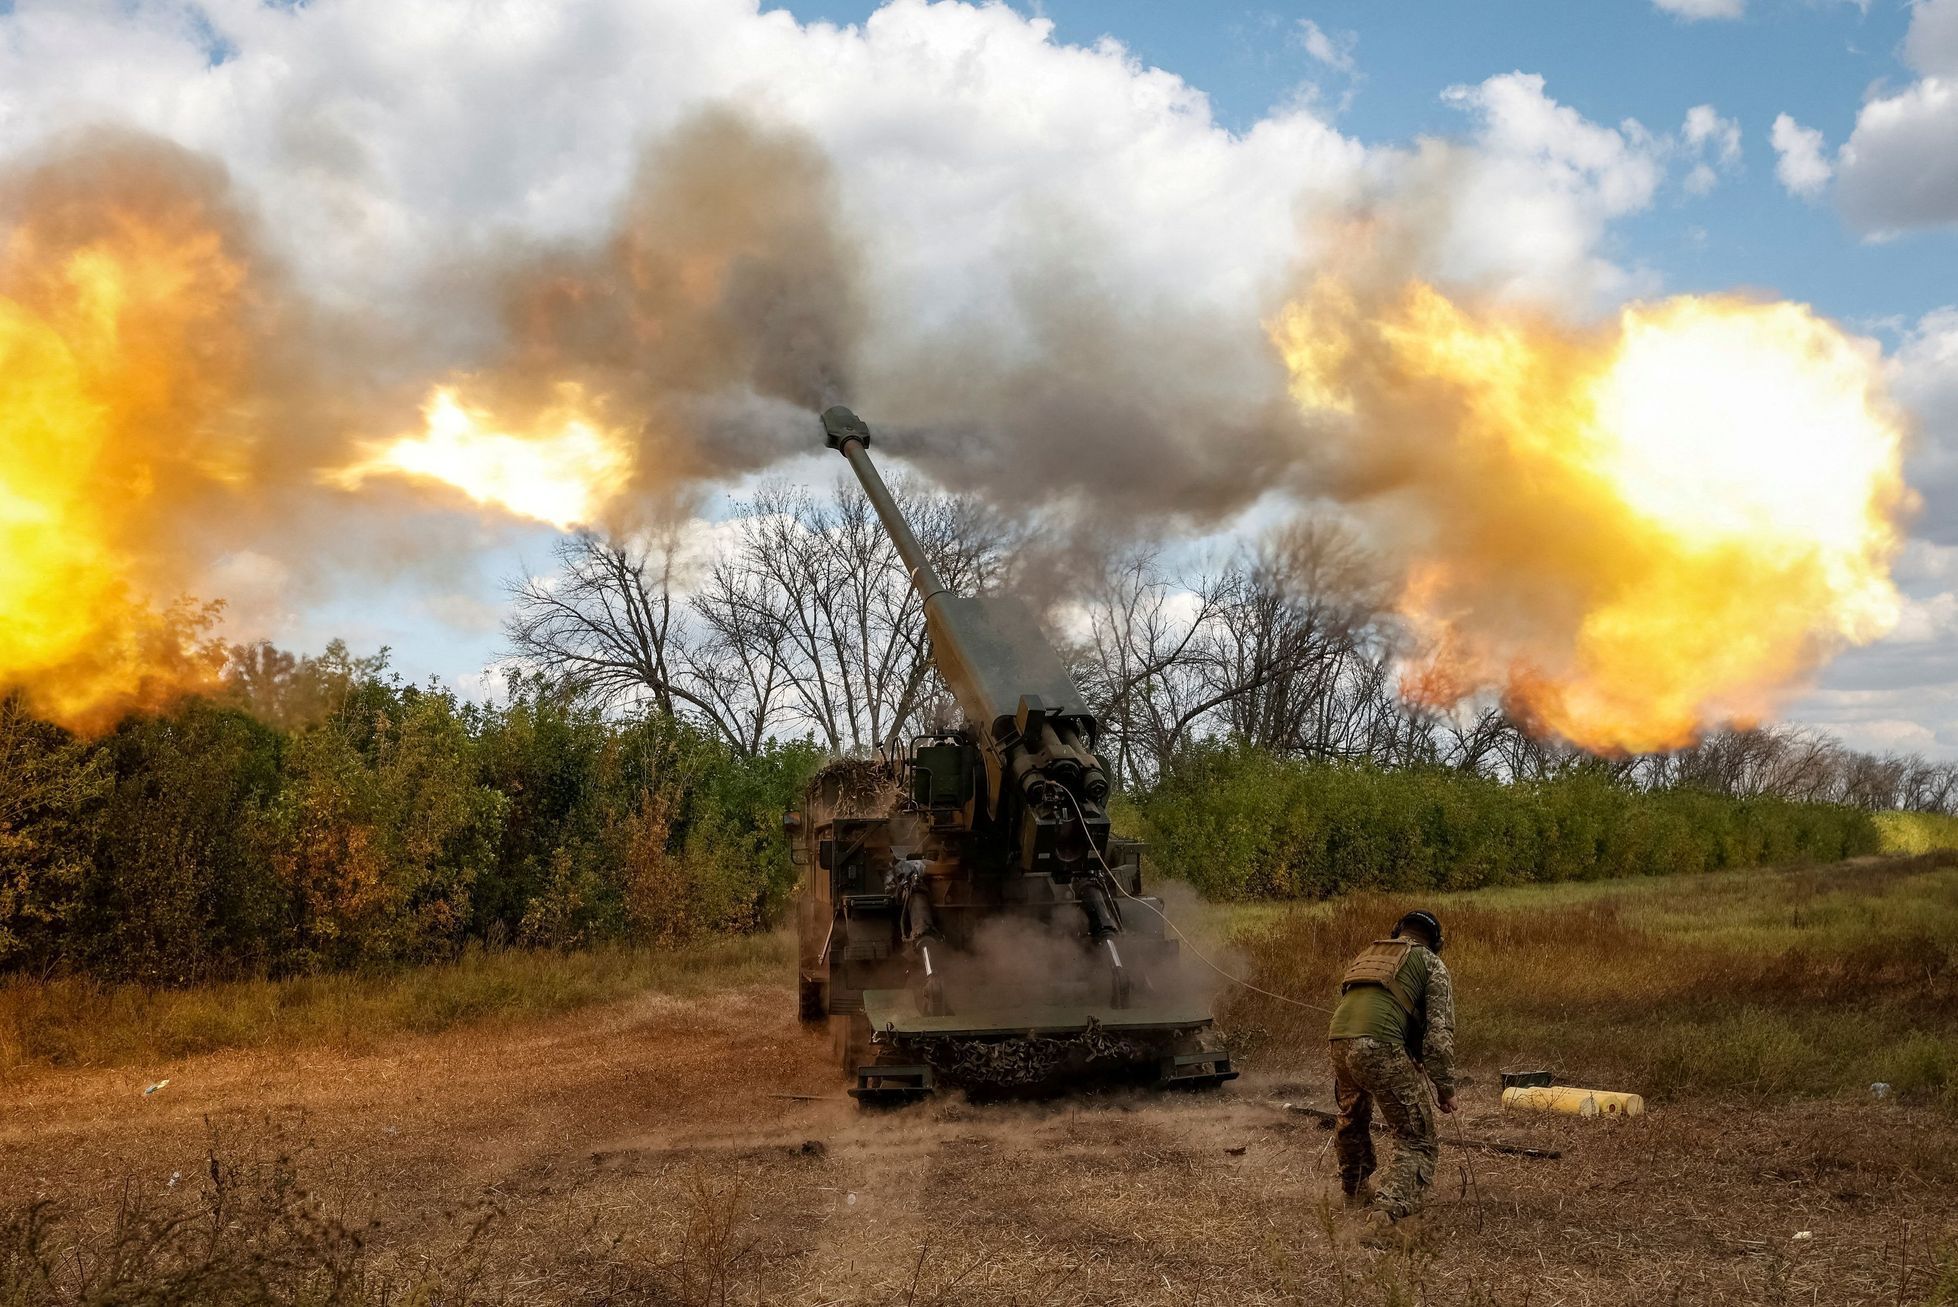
x=1446, y=1102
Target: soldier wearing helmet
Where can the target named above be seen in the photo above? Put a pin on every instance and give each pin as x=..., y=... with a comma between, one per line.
x=1392, y=1034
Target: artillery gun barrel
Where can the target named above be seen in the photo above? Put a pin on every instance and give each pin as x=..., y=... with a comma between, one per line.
x=1027, y=718
x=850, y=435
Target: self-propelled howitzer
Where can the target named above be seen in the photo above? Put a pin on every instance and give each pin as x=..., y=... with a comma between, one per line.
x=962, y=910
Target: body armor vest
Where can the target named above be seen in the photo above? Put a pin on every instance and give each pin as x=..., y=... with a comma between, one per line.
x=1380, y=964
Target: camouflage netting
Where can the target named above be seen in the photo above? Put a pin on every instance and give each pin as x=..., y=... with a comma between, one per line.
x=856, y=787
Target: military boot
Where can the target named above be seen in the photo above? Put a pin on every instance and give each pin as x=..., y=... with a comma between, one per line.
x=1386, y=1230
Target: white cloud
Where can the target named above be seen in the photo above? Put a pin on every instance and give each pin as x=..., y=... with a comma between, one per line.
x=1800, y=162
x=1931, y=46
x=1916, y=713
x=1713, y=143
x=460, y=611
x=1335, y=53
x=1899, y=167
x=1696, y=10
x=1925, y=562
x=1539, y=190
x=378, y=137
x=1925, y=621
x=1891, y=734
x=382, y=141
x=1924, y=377
x=1707, y=131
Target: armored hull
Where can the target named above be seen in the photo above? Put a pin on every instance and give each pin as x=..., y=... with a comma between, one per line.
x=1010, y=994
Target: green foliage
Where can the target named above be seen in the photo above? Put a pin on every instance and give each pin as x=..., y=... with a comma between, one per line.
x=49, y=786
x=646, y=829
x=175, y=891
x=1916, y=832
x=326, y=816
x=377, y=847
x=1238, y=823
x=323, y=815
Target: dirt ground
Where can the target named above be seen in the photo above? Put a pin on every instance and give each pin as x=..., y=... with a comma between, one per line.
x=650, y=1152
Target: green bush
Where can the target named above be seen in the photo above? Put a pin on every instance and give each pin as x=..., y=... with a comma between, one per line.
x=176, y=890
x=1916, y=832
x=378, y=834
x=326, y=817
x=1238, y=823
x=50, y=789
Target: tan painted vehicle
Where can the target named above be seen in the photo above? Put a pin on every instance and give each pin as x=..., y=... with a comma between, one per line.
x=964, y=916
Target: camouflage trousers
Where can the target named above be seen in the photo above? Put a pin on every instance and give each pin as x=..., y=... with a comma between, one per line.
x=1366, y=1072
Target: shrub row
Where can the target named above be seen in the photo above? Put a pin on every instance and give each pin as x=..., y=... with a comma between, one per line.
x=1237, y=823
x=394, y=824
x=1917, y=832
x=324, y=816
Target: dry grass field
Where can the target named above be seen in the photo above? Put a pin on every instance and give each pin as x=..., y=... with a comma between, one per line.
x=1753, y=987
x=687, y=1143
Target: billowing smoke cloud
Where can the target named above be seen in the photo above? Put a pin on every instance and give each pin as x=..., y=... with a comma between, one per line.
x=1126, y=415
x=179, y=412
x=1044, y=272
x=725, y=285
x=1053, y=264
x=1548, y=558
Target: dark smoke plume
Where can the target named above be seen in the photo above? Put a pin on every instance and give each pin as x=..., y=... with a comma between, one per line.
x=724, y=307
x=1127, y=412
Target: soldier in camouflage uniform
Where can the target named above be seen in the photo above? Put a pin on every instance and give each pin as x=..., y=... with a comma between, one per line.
x=1393, y=1032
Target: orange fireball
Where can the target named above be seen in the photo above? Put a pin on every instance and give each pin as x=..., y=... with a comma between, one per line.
x=1629, y=532
x=561, y=467
x=120, y=347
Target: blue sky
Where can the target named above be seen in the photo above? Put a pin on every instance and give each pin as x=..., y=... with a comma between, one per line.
x=1609, y=59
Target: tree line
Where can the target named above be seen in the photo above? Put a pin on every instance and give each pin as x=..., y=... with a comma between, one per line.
x=319, y=813
x=664, y=710
x=1238, y=822
x=805, y=624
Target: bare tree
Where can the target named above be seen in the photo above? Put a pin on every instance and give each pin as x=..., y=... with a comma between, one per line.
x=819, y=588
x=1802, y=765
x=813, y=600
x=807, y=620
x=833, y=605
x=1929, y=786
x=1284, y=649
x=1140, y=664
x=607, y=623
x=1298, y=657
x=733, y=660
